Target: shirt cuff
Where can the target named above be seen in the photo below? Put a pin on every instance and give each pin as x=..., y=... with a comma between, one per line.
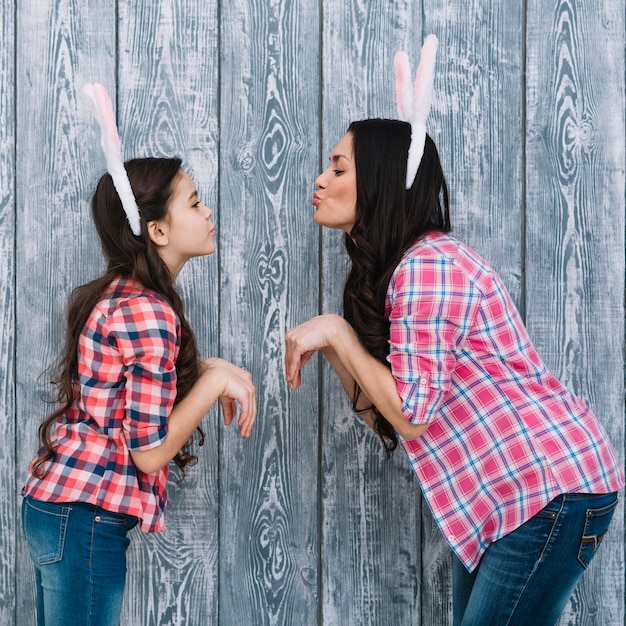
x=420, y=400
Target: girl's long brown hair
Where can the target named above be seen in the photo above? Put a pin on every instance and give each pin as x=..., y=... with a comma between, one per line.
x=389, y=220
x=152, y=181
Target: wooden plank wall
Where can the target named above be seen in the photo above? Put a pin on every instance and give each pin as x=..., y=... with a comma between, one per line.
x=306, y=522
x=8, y=500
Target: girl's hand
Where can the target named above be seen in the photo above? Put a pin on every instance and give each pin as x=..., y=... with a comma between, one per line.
x=236, y=388
x=303, y=341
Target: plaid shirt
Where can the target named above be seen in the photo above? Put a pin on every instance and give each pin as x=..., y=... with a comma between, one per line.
x=504, y=437
x=125, y=392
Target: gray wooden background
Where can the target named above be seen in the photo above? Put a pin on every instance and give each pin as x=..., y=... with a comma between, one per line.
x=306, y=523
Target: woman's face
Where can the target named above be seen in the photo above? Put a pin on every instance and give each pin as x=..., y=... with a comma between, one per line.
x=335, y=198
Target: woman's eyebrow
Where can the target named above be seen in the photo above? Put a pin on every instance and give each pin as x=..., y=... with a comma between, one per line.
x=335, y=157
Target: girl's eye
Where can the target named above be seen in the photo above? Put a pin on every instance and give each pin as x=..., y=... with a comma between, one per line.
x=337, y=172
x=196, y=204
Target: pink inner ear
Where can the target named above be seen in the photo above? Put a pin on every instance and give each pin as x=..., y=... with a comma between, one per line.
x=105, y=107
x=402, y=70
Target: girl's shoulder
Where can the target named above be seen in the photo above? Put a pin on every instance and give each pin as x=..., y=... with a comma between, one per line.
x=131, y=296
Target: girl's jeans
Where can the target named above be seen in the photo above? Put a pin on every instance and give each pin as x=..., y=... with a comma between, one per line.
x=79, y=553
x=528, y=576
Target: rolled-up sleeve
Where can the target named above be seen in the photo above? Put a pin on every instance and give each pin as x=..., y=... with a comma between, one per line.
x=145, y=331
x=431, y=303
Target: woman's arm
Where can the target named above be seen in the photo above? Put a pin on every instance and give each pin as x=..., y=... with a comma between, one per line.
x=352, y=362
x=219, y=380
x=347, y=381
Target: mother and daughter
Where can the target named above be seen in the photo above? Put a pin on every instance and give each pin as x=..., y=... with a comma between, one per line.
x=517, y=471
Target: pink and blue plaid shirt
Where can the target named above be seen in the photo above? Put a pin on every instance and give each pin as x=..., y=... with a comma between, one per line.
x=125, y=392
x=504, y=437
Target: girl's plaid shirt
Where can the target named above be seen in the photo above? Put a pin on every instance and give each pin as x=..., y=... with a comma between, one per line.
x=126, y=388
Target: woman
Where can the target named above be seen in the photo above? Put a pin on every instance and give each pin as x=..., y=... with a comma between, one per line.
x=131, y=393
x=518, y=472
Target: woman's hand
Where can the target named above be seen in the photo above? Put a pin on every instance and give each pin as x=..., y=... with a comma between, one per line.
x=303, y=341
x=334, y=336
x=235, y=387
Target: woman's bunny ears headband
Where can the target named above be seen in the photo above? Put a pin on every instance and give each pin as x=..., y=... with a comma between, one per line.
x=414, y=104
x=102, y=109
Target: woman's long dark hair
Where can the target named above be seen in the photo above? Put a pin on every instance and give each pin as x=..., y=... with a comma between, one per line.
x=389, y=219
x=152, y=181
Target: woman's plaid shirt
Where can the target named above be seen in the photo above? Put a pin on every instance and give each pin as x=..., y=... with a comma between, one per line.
x=125, y=392
x=505, y=437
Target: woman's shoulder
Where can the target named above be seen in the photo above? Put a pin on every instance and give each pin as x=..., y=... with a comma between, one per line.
x=433, y=245
x=444, y=250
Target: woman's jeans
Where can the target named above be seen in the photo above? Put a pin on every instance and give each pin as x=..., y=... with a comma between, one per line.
x=528, y=576
x=79, y=552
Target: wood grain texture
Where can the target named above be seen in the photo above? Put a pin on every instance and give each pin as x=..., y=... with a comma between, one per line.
x=60, y=46
x=371, y=542
x=575, y=234
x=269, y=283
x=9, y=500
x=168, y=97
x=305, y=522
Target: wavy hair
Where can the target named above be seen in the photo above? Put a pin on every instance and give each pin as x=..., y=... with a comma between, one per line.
x=152, y=181
x=389, y=219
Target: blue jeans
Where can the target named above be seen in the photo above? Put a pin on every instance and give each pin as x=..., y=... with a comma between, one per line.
x=79, y=553
x=528, y=576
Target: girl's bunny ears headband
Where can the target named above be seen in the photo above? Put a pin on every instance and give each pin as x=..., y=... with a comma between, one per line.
x=414, y=104
x=102, y=109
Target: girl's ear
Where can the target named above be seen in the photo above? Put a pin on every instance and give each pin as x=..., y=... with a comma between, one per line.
x=157, y=233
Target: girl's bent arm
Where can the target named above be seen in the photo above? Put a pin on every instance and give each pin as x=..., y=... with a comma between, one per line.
x=219, y=380
x=338, y=340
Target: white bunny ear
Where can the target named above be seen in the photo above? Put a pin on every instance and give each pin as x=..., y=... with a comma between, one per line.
x=102, y=109
x=414, y=105
x=424, y=79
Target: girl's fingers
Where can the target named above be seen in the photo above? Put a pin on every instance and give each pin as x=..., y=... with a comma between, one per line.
x=248, y=410
x=229, y=409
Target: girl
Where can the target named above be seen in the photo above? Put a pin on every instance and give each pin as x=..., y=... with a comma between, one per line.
x=131, y=393
x=518, y=472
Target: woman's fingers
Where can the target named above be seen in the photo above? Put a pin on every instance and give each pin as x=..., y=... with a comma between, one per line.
x=301, y=342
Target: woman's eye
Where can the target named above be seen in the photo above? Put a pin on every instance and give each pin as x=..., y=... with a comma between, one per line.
x=196, y=204
x=337, y=172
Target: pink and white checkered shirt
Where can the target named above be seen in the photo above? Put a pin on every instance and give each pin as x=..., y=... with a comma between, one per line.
x=505, y=437
x=125, y=392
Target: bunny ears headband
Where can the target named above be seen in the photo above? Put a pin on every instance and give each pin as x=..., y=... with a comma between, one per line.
x=414, y=104
x=102, y=109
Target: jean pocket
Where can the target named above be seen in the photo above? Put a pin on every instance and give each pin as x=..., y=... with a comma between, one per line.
x=596, y=524
x=116, y=519
x=45, y=525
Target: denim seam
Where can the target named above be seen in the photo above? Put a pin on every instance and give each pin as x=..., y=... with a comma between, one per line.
x=538, y=561
x=93, y=530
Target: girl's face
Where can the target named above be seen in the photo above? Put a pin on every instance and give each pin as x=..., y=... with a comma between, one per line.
x=187, y=231
x=335, y=198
